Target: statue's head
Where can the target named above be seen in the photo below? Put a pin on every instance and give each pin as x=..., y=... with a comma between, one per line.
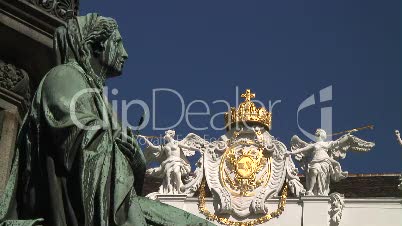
x=170, y=134
x=107, y=51
x=94, y=42
x=320, y=134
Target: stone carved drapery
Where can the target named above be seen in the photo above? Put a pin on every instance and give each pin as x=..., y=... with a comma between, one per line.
x=63, y=9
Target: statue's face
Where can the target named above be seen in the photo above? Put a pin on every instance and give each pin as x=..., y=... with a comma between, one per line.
x=320, y=134
x=114, y=56
x=169, y=134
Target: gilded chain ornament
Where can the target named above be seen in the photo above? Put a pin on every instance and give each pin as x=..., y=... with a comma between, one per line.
x=225, y=221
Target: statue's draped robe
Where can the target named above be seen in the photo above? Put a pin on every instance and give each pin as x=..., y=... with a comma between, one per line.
x=167, y=167
x=327, y=169
x=67, y=175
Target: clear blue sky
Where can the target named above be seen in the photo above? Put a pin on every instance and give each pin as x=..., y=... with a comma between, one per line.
x=282, y=50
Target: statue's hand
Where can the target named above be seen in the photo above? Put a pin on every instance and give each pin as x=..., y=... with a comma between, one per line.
x=149, y=172
x=352, y=131
x=287, y=154
x=143, y=137
x=397, y=133
x=125, y=144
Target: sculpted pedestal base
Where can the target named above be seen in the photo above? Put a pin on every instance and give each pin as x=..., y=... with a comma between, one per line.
x=11, y=112
x=173, y=200
x=315, y=210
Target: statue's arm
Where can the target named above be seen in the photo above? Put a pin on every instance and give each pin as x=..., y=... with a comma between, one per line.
x=65, y=99
x=302, y=150
x=73, y=109
x=70, y=113
x=340, y=141
x=149, y=143
x=398, y=137
x=187, y=147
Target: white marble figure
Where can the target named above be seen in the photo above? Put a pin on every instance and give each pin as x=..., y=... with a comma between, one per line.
x=172, y=156
x=337, y=206
x=398, y=137
x=318, y=159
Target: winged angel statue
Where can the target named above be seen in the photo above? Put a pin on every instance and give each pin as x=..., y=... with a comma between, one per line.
x=319, y=159
x=175, y=168
x=398, y=137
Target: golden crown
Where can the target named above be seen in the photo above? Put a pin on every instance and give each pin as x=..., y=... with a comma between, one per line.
x=247, y=112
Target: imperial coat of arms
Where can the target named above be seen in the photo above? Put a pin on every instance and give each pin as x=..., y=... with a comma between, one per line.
x=252, y=167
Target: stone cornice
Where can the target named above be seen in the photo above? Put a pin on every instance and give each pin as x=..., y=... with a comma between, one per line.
x=14, y=100
x=30, y=15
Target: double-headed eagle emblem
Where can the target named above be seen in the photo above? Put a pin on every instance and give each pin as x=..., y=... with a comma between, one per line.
x=243, y=168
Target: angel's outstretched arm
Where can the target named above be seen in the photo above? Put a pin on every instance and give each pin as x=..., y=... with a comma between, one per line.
x=340, y=141
x=187, y=147
x=149, y=143
x=301, y=150
x=398, y=137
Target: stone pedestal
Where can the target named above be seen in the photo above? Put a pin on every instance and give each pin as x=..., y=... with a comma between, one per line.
x=28, y=27
x=25, y=27
x=12, y=110
x=173, y=200
x=315, y=210
x=26, y=42
x=306, y=211
x=311, y=210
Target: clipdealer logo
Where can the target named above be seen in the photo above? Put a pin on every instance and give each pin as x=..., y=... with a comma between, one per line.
x=185, y=111
x=326, y=112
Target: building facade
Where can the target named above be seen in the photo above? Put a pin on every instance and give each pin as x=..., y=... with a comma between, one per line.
x=245, y=178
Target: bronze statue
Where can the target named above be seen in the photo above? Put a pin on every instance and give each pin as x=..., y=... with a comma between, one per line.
x=73, y=164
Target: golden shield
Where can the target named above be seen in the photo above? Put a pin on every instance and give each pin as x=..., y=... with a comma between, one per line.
x=244, y=168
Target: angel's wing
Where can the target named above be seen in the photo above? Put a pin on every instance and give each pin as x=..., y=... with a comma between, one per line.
x=191, y=143
x=154, y=154
x=347, y=142
x=297, y=143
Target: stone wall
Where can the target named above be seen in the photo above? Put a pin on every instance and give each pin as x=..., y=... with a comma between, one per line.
x=314, y=211
x=14, y=101
x=26, y=43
